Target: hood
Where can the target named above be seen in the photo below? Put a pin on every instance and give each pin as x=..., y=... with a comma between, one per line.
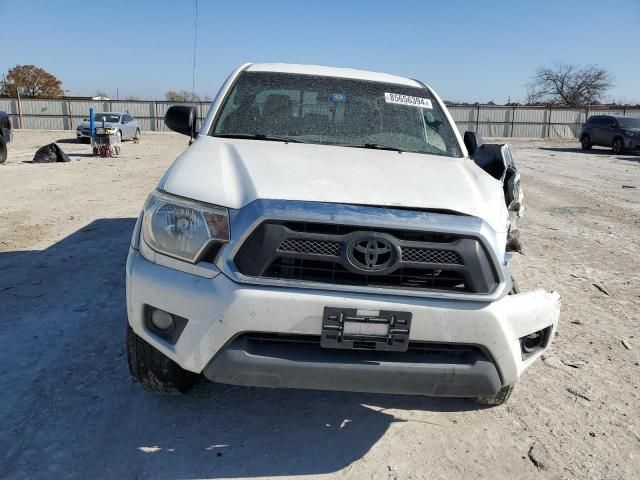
x=233, y=173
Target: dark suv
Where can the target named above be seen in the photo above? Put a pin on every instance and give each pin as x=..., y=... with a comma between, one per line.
x=615, y=131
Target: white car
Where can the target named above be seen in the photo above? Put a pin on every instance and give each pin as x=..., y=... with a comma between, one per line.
x=328, y=228
x=127, y=127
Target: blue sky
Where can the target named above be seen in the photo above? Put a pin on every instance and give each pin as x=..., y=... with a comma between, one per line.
x=467, y=50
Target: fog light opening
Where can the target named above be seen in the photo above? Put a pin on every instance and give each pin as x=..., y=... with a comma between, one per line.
x=162, y=320
x=534, y=342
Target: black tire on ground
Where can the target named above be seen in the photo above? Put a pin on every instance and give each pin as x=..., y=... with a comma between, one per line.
x=153, y=370
x=496, y=399
x=618, y=146
x=586, y=142
x=3, y=150
x=95, y=150
x=136, y=138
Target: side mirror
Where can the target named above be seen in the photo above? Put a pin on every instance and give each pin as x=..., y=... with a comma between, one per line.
x=181, y=119
x=472, y=140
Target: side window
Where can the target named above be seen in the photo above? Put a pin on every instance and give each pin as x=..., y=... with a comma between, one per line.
x=612, y=123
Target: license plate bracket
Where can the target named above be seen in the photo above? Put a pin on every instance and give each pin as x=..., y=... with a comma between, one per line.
x=353, y=329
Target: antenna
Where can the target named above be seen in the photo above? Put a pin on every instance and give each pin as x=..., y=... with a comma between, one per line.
x=195, y=44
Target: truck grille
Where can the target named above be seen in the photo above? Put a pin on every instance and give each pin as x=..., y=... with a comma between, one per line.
x=428, y=255
x=362, y=256
x=311, y=247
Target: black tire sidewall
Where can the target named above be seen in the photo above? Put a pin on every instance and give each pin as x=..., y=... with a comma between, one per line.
x=3, y=150
x=619, y=142
x=585, y=142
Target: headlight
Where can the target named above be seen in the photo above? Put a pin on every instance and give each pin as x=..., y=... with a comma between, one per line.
x=629, y=133
x=181, y=228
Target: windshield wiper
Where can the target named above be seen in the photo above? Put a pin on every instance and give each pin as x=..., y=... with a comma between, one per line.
x=374, y=146
x=258, y=136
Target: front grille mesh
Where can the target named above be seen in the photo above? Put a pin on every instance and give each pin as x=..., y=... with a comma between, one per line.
x=430, y=255
x=310, y=247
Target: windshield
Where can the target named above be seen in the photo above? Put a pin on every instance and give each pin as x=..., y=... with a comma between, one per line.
x=629, y=122
x=109, y=117
x=335, y=111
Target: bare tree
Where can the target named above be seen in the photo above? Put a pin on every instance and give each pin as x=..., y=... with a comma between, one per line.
x=32, y=81
x=569, y=85
x=181, y=96
x=186, y=96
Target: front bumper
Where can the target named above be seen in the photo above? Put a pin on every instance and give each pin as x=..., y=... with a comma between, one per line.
x=632, y=143
x=218, y=310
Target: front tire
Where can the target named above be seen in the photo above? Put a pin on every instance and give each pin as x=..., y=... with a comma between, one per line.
x=153, y=370
x=3, y=150
x=136, y=138
x=497, y=398
x=618, y=146
x=586, y=142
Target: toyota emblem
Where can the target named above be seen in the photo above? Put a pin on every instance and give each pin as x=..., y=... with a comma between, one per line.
x=371, y=253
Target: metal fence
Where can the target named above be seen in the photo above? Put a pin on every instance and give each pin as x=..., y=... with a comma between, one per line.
x=488, y=120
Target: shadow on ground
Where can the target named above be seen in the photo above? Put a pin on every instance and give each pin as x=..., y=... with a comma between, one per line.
x=70, y=410
x=628, y=156
x=69, y=140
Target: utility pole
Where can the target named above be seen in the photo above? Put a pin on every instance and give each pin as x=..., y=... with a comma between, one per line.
x=195, y=38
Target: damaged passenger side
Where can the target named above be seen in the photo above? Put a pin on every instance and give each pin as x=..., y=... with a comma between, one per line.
x=497, y=161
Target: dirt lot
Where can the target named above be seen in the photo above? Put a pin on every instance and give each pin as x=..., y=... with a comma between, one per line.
x=68, y=408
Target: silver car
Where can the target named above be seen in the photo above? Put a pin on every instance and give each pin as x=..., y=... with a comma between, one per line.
x=128, y=127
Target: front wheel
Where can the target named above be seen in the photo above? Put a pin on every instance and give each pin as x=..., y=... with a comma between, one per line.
x=586, y=142
x=3, y=150
x=153, y=370
x=618, y=146
x=136, y=138
x=497, y=398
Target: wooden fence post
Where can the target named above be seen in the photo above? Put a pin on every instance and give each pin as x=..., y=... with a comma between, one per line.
x=70, y=116
x=513, y=116
x=478, y=119
x=19, y=112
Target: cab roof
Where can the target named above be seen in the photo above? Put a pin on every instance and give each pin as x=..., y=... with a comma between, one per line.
x=333, y=72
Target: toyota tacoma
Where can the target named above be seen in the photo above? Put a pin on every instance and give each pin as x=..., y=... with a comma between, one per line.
x=329, y=228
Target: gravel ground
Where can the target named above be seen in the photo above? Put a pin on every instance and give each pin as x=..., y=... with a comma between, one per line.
x=68, y=408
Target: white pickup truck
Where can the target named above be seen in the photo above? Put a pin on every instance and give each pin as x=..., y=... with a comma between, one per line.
x=328, y=228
